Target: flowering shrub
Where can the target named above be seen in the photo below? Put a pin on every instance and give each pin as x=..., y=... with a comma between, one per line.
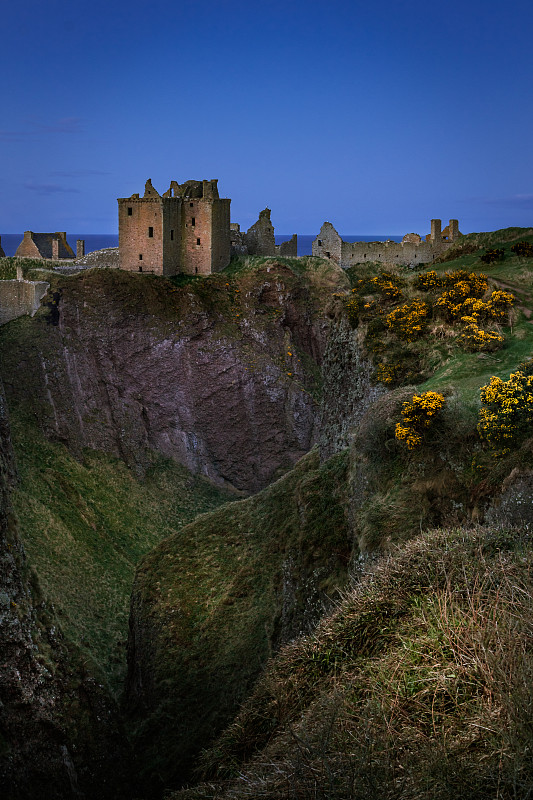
x=493, y=255
x=432, y=281
x=506, y=415
x=417, y=417
x=387, y=373
x=408, y=321
x=387, y=284
x=428, y=281
x=474, y=338
x=499, y=304
x=523, y=249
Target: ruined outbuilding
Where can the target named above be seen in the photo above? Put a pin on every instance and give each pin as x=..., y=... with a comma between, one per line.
x=412, y=250
x=259, y=240
x=187, y=229
x=53, y=246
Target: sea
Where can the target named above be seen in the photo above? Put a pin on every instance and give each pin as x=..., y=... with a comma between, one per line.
x=99, y=241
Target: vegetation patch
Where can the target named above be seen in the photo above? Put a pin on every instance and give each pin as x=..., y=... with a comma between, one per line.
x=419, y=685
x=85, y=525
x=212, y=603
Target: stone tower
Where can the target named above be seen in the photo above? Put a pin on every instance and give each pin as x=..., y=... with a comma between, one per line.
x=187, y=229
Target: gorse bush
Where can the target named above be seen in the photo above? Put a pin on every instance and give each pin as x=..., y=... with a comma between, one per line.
x=522, y=249
x=418, y=415
x=506, y=416
x=408, y=321
x=490, y=256
x=474, y=338
x=408, y=336
x=388, y=285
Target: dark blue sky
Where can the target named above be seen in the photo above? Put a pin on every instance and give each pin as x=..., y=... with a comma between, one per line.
x=374, y=116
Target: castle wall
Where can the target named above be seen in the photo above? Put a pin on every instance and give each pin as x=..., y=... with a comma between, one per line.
x=171, y=237
x=411, y=250
x=288, y=248
x=328, y=243
x=185, y=230
x=138, y=253
x=221, y=239
x=196, y=236
x=389, y=252
x=20, y=297
x=260, y=239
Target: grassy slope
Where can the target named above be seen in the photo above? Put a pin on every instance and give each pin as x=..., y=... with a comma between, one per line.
x=418, y=686
x=85, y=526
x=216, y=598
x=410, y=690
x=469, y=371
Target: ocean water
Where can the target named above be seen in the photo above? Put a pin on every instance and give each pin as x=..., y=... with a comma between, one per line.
x=98, y=241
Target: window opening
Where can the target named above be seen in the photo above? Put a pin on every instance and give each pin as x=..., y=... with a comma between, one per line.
x=151, y=233
x=140, y=256
x=171, y=235
x=198, y=241
x=191, y=205
x=193, y=222
x=130, y=211
x=140, y=269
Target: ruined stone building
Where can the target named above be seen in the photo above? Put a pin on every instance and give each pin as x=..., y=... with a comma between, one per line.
x=259, y=240
x=2, y=254
x=45, y=245
x=187, y=229
x=412, y=250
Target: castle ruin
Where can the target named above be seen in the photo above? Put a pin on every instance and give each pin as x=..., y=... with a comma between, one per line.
x=51, y=246
x=412, y=250
x=187, y=229
x=259, y=240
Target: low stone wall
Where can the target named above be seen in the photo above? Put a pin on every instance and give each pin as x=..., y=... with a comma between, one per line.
x=20, y=297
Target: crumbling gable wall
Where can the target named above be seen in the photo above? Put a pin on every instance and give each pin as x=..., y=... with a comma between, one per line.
x=259, y=239
x=288, y=248
x=328, y=243
x=45, y=245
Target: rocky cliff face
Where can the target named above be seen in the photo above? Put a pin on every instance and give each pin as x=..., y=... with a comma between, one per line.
x=218, y=374
x=59, y=732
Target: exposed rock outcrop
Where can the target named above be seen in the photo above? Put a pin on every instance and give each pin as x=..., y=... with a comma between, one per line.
x=216, y=375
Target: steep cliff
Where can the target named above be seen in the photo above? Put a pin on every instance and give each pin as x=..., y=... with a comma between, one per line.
x=217, y=374
x=60, y=735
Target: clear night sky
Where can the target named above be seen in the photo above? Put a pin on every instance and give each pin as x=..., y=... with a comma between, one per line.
x=375, y=116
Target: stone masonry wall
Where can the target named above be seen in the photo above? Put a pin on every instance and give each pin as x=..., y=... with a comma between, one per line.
x=259, y=239
x=329, y=244
x=288, y=248
x=196, y=236
x=20, y=297
x=221, y=240
x=138, y=251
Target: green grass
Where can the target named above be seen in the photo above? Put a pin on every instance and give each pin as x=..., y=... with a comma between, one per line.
x=418, y=686
x=433, y=362
x=85, y=525
x=216, y=599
